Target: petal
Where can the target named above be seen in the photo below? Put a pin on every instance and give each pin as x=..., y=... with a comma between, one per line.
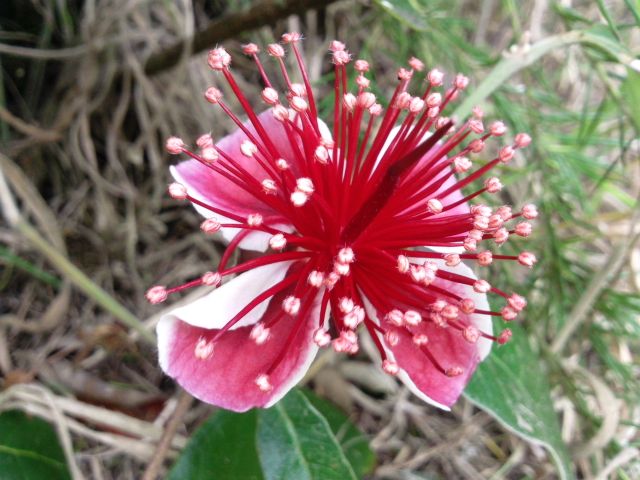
x=215, y=309
x=225, y=375
x=447, y=345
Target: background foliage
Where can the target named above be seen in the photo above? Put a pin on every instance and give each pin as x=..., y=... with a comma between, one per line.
x=87, y=229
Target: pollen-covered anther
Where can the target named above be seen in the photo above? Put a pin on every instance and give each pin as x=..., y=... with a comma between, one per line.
x=501, y=236
x=481, y=286
x=403, y=264
x=517, y=302
x=480, y=222
x=454, y=371
x=416, y=64
x=470, y=244
x=470, y=334
x=527, y=259
x=213, y=95
x=336, y=46
x=263, y=383
x=505, y=336
x=341, y=57
x=485, y=258
x=347, y=342
x=305, y=185
x=434, y=100
x=438, y=305
x=250, y=49
x=375, y=109
x=493, y=184
x=495, y=221
x=254, y=220
x=467, y=305
x=434, y=205
x=523, y=229
x=248, y=148
x=450, y=312
x=361, y=66
x=404, y=74
x=403, y=101
x=418, y=273
x=218, y=59
x=259, y=333
x=506, y=154
x=345, y=304
x=389, y=367
x=349, y=101
x=476, y=146
x=205, y=140
x=508, y=313
x=420, y=339
x=341, y=268
x=269, y=96
x=174, y=145
x=435, y=77
x=177, y=191
x=291, y=305
x=416, y=105
x=321, y=155
x=442, y=121
x=477, y=235
x=530, y=211
x=505, y=212
x=452, y=259
x=482, y=210
x=275, y=50
x=331, y=279
x=278, y=242
x=460, y=82
x=362, y=81
x=395, y=317
x=210, y=226
x=280, y=113
x=291, y=37
x=391, y=337
x=462, y=164
x=497, y=129
x=282, y=164
x=269, y=186
x=366, y=99
x=298, y=198
x=411, y=317
x=354, y=318
x=203, y=349
x=321, y=337
x=211, y=279
x=476, y=126
x=157, y=294
x=315, y=278
x=210, y=154
x=522, y=140
x=346, y=255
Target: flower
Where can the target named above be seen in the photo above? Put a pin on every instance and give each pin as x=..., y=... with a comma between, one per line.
x=363, y=228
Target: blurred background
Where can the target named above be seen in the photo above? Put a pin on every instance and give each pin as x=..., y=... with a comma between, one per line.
x=90, y=90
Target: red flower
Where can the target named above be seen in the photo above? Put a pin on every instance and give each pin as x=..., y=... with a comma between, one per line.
x=365, y=228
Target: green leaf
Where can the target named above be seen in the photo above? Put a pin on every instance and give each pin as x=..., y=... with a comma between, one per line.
x=223, y=447
x=295, y=442
x=407, y=11
x=29, y=448
x=511, y=385
x=631, y=94
x=354, y=444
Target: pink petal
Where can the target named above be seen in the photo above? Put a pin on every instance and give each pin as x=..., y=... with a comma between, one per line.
x=226, y=374
x=447, y=345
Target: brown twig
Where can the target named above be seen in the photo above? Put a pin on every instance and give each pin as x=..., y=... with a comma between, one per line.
x=155, y=465
x=260, y=14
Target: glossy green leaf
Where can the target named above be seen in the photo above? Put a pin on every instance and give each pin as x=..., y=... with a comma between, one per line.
x=295, y=442
x=407, y=11
x=354, y=444
x=511, y=385
x=223, y=447
x=29, y=449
